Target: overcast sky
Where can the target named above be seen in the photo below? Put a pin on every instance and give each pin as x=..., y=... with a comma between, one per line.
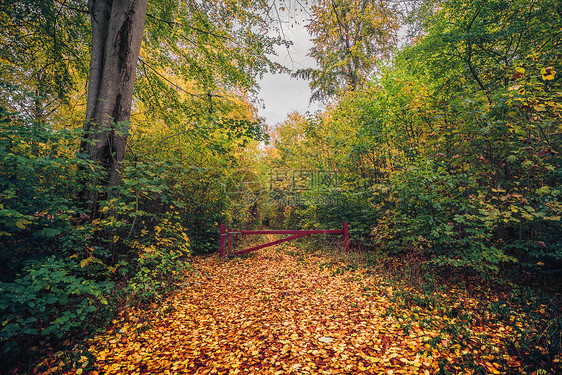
x=280, y=93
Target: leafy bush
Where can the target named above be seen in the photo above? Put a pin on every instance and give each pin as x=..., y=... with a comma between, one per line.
x=339, y=207
x=39, y=180
x=47, y=299
x=60, y=264
x=442, y=211
x=430, y=209
x=160, y=259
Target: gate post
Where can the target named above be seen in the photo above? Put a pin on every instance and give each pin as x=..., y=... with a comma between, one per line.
x=222, y=239
x=346, y=237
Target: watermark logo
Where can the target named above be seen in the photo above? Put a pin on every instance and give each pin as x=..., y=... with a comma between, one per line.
x=283, y=186
x=244, y=187
x=301, y=180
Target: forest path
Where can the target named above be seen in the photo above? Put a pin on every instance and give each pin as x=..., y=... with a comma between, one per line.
x=276, y=311
x=270, y=312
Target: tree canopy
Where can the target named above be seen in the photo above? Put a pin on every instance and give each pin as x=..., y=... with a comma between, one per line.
x=351, y=38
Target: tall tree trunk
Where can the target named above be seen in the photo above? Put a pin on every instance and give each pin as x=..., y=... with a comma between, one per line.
x=117, y=28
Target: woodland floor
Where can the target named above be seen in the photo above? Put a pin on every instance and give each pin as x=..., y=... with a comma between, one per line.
x=285, y=311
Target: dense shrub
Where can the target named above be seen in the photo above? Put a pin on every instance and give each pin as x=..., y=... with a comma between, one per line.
x=48, y=299
x=59, y=265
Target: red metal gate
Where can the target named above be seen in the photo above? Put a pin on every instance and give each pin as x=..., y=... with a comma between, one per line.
x=226, y=237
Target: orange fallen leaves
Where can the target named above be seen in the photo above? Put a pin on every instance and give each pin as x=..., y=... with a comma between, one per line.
x=272, y=313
